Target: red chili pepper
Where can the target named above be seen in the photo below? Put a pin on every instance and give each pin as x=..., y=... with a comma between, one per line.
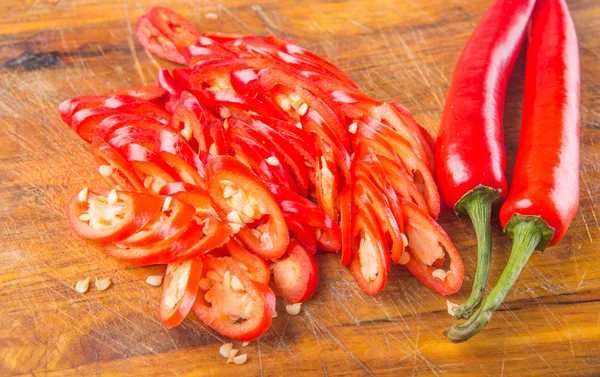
x=469, y=158
x=544, y=194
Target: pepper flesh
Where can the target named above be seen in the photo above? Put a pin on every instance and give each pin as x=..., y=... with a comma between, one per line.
x=544, y=194
x=470, y=159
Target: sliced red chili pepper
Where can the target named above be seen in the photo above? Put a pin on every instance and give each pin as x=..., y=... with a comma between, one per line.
x=104, y=215
x=243, y=199
x=177, y=153
x=327, y=185
x=245, y=81
x=197, y=122
x=239, y=311
x=249, y=45
x=276, y=142
x=156, y=41
x=128, y=135
x=85, y=121
x=427, y=242
x=289, y=91
x=424, y=137
x=180, y=287
x=166, y=224
x=352, y=102
x=161, y=252
x=296, y=276
x=148, y=93
x=301, y=232
x=172, y=88
x=216, y=234
x=220, y=145
x=110, y=124
x=187, y=124
x=174, y=187
x=401, y=181
x=182, y=76
x=221, y=37
x=365, y=190
x=201, y=201
x=149, y=167
x=371, y=181
x=116, y=170
x=255, y=267
x=408, y=131
x=314, y=123
x=416, y=167
x=220, y=100
x=302, y=142
x=132, y=105
x=369, y=257
x=345, y=204
x=199, y=54
x=214, y=75
x=175, y=27
x=262, y=162
x=327, y=231
x=168, y=83
x=307, y=55
x=69, y=107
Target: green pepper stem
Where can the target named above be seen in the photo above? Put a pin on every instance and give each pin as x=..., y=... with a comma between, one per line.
x=526, y=237
x=477, y=204
x=479, y=210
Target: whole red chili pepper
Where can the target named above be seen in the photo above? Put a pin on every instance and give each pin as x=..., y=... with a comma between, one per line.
x=544, y=194
x=470, y=160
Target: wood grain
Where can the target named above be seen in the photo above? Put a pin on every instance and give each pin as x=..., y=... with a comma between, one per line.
x=402, y=49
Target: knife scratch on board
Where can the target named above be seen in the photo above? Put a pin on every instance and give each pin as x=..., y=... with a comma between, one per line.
x=131, y=43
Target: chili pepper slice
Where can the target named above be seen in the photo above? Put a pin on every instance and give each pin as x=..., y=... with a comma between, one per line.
x=273, y=141
x=231, y=303
x=369, y=257
x=296, y=276
x=149, y=167
x=175, y=151
x=107, y=127
x=180, y=287
x=326, y=230
x=161, y=252
x=303, y=233
x=427, y=243
x=104, y=215
x=417, y=168
x=263, y=163
x=253, y=266
x=148, y=93
x=174, y=27
x=346, y=206
x=156, y=41
x=116, y=170
x=164, y=225
x=243, y=199
x=129, y=134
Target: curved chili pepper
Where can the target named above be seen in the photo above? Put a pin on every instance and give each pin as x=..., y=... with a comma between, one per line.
x=544, y=194
x=469, y=158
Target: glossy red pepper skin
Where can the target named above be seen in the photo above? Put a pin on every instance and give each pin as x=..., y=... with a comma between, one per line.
x=544, y=194
x=470, y=160
x=546, y=177
x=470, y=146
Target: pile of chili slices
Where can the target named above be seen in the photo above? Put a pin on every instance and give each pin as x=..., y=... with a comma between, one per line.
x=215, y=172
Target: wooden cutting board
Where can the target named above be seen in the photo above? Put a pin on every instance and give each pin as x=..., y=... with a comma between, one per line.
x=394, y=49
